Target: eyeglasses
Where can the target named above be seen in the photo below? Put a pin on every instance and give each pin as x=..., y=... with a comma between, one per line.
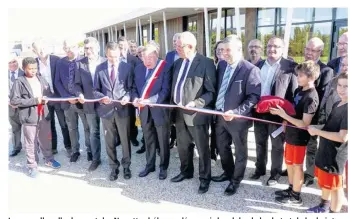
x=311, y=50
x=88, y=48
x=342, y=45
x=273, y=46
x=183, y=46
x=219, y=50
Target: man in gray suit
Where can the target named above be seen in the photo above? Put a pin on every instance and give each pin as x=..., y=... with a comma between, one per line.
x=13, y=73
x=84, y=80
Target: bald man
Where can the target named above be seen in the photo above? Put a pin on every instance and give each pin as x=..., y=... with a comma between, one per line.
x=255, y=49
x=313, y=51
x=342, y=51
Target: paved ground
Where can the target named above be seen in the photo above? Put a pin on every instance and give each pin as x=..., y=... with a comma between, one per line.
x=72, y=189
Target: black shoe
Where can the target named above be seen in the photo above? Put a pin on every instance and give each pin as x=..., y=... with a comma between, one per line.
x=256, y=176
x=289, y=200
x=308, y=180
x=141, y=150
x=134, y=142
x=273, y=180
x=54, y=151
x=180, y=178
x=94, y=165
x=114, y=175
x=223, y=177
x=127, y=173
x=74, y=157
x=203, y=187
x=117, y=144
x=285, y=192
x=89, y=156
x=284, y=173
x=146, y=171
x=14, y=153
x=231, y=189
x=172, y=143
x=163, y=174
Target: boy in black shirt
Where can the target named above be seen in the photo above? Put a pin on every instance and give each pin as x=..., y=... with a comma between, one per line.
x=305, y=103
x=329, y=162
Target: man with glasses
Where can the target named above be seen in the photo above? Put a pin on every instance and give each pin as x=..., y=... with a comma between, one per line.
x=277, y=79
x=313, y=51
x=66, y=69
x=255, y=49
x=342, y=51
x=13, y=73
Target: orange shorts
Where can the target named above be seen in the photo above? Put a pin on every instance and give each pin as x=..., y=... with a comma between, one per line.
x=294, y=154
x=327, y=180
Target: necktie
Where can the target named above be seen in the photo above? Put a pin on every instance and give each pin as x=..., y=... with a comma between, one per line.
x=178, y=89
x=221, y=97
x=13, y=76
x=112, y=74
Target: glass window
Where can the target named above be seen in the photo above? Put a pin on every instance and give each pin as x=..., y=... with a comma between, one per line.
x=281, y=15
x=212, y=29
x=342, y=13
x=264, y=34
x=156, y=33
x=322, y=14
x=192, y=25
x=302, y=15
x=144, y=35
x=266, y=16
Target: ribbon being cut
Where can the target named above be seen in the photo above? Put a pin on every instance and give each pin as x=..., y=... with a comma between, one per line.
x=200, y=110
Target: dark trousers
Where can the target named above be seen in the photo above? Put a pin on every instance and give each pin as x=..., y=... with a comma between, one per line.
x=311, y=149
x=133, y=128
x=262, y=132
x=111, y=126
x=94, y=126
x=16, y=128
x=185, y=137
x=173, y=132
x=156, y=137
x=64, y=128
x=233, y=169
x=72, y=114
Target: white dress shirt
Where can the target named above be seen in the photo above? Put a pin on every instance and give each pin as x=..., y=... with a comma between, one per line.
x=267, y=73
x=45, y=71
x=92, y=67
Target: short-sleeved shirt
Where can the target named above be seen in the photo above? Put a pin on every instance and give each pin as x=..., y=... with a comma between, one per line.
x=327, y=151
x=304, y=102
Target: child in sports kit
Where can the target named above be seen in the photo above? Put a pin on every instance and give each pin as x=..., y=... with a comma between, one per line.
x=330, y=160
x=305, y=104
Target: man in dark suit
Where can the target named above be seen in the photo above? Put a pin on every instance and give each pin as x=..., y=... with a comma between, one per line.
x=277, y=79
x=113, y=81
x=133, y=61
x=84, y=80
x=193, y=85
x=13, y=73
x=66, y=69
x=313, y=51
x=239, y=89
x=152, y=84
x=342, y=51
x=47, y=69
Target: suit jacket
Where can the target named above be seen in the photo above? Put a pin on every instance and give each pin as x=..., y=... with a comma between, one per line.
x=53, y=64
x=160, y=93
x=334, y=64
x=13, y=111
x=199, y=86
x=283, y=84
x=132, y=60
x=326, y=75
x=122, y=87
x=83, y=84
x=169, y=58
x=243, y=91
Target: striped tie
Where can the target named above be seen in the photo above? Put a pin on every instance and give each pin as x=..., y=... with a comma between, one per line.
x=221, y=97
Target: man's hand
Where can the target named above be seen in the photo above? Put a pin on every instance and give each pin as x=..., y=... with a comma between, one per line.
x=230, y=116
x=313, y=130
x=81, y=98
x=136, y=102
x=73, y=101
x=39, y=100
x=14, y=107
x=125, y=100
x=144, y=102
x=44, y=100
x=191, y=104
x=106, y=100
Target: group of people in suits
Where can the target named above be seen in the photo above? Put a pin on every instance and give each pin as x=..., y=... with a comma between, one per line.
x=129, y=83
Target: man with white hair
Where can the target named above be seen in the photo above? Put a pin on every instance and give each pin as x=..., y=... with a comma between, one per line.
x=13, y=73
x=65, y=75
x=342, y=51
x=193, y=85
x=152, y=85
x=313, y=51
x=239, y=91
x=47, y=69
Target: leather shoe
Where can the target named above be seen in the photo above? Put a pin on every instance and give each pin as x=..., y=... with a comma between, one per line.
x=134, y=142
x=172, y=143
x=223, y=177
x=180, y=178
x=273, y=180
x=74, y=157
x=141, y=150
x=127, y=173
x=94, y=165
x=117, y=143
x=14, y=153
x=284, y=173
x=163, y=174
x=146, y=171
x=203, y=187
x=231, y=189
x=89, y=156
x=114, y=175
x=256, y=176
